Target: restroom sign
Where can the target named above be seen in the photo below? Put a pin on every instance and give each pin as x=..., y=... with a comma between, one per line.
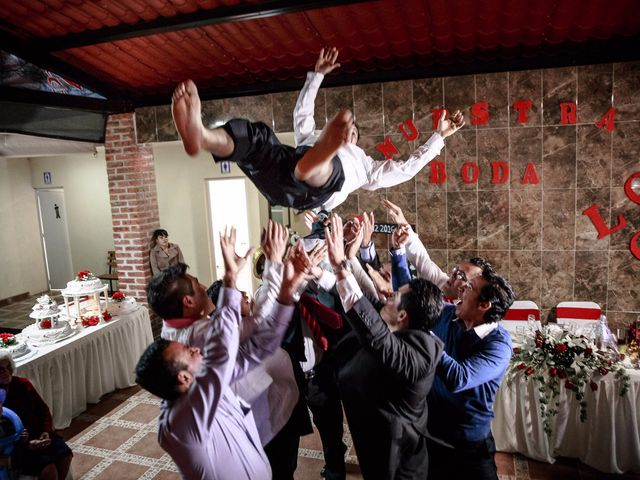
x=225, y=167
x=46, y=177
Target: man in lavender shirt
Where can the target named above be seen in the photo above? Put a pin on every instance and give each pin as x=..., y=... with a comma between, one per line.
x=208, y=431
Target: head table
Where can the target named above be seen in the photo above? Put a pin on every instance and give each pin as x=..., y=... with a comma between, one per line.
x=82, y=368
x=609, y=439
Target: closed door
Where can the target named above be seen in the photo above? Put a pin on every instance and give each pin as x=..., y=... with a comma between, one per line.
x=55, y=237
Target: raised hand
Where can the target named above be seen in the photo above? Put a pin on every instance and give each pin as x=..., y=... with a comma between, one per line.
x=233, y=262
x=351, y=231
x=326, y=63
x=368, y=221
x=274, y=241
x=449, y=125
x=395, y=212
x=297, y=268
x=400, y=236
x=335, y=243
x=382, y=281
x=353, y=246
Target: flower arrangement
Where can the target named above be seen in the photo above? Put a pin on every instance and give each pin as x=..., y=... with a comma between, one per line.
x=553, y=356
x=94, y=320
x=45, y=324
x=7, y=339
x=118, y=296
x=91, y=321
x=84, y=275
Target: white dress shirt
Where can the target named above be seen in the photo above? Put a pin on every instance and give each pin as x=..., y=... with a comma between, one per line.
x=360, y=170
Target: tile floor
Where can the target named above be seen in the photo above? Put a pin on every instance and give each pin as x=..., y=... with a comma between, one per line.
x=116, y=438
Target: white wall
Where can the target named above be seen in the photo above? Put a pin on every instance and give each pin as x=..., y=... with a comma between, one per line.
x=86, y=192
x=21, y=259
x=183, y=204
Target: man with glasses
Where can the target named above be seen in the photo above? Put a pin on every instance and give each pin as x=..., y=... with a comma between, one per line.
x=476, y=355
x=406, y=246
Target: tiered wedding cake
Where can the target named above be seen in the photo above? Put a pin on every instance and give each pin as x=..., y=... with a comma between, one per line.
x=48, y=327
x=85, y=299
x=12, y=343
x=120, y=304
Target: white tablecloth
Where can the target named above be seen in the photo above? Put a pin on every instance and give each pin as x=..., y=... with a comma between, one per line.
x=609, y=440
x=84, y=367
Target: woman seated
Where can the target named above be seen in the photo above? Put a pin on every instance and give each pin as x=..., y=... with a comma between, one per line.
x=163, y=254
x=43, y=453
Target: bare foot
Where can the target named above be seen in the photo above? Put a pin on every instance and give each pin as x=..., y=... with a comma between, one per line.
x=185, y=107
x=315, y=166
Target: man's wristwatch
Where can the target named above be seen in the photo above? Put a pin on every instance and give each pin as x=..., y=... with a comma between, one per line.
x=343, y=265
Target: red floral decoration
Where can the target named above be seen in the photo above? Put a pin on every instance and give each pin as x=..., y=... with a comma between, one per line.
x=117, y=296
x=553, y=357
x=106, y=316
x=91, y=321
x=7, y=339
x=45, y=324
x=84, y=275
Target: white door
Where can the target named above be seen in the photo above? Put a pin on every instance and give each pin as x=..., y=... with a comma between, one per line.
x=55, y=237
x=228, y=206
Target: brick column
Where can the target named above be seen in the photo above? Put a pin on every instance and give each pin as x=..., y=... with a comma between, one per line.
x=134, y=203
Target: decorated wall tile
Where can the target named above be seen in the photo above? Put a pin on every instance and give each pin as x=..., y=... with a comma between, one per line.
x=367, y=106
x=595, y=87
x=593, y=156
x=558, y=86
x=559, y=157
x=558, y=219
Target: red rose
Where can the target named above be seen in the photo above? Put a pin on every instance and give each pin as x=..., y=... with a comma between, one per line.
x=562, y=374
x=522, y=366
x=603, y=370
x=561, y=347
x=529, y=371
x=118, y=296
x=553, y=371
x=45, y=324
x=594, y=386
x=588, y=351
x=569, y=385
x=106, y=315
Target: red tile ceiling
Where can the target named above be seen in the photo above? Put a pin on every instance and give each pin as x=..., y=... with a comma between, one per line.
x=384, y=35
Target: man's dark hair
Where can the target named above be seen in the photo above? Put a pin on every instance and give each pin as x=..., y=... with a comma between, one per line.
x=214, y=291
x=480, y=262
x=167, y=289
x=497, y=291
x=157, y=375
x=423, y=304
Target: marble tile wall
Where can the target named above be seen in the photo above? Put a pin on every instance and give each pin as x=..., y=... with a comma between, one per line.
x=536, y=235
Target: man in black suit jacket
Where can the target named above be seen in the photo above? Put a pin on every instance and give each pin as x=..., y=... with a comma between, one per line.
x=386, y=368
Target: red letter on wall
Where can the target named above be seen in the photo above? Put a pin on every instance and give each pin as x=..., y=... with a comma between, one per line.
x=530, y=175
x=598, y=222
x=475, y=171
x=607, y=120
x=437, y=113
x=413, y=135
x=633, y=196
x=499, y=172
x=634, y=245
x=567, y=113
x=388, y=149
x=521, y=106
x=479, y=113
x=438, y=171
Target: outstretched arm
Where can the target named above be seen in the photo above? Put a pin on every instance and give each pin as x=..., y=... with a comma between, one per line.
x=304, y=124
x=388, y=173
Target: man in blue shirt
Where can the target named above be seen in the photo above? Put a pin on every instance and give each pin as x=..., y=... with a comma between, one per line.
x=476, y=357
